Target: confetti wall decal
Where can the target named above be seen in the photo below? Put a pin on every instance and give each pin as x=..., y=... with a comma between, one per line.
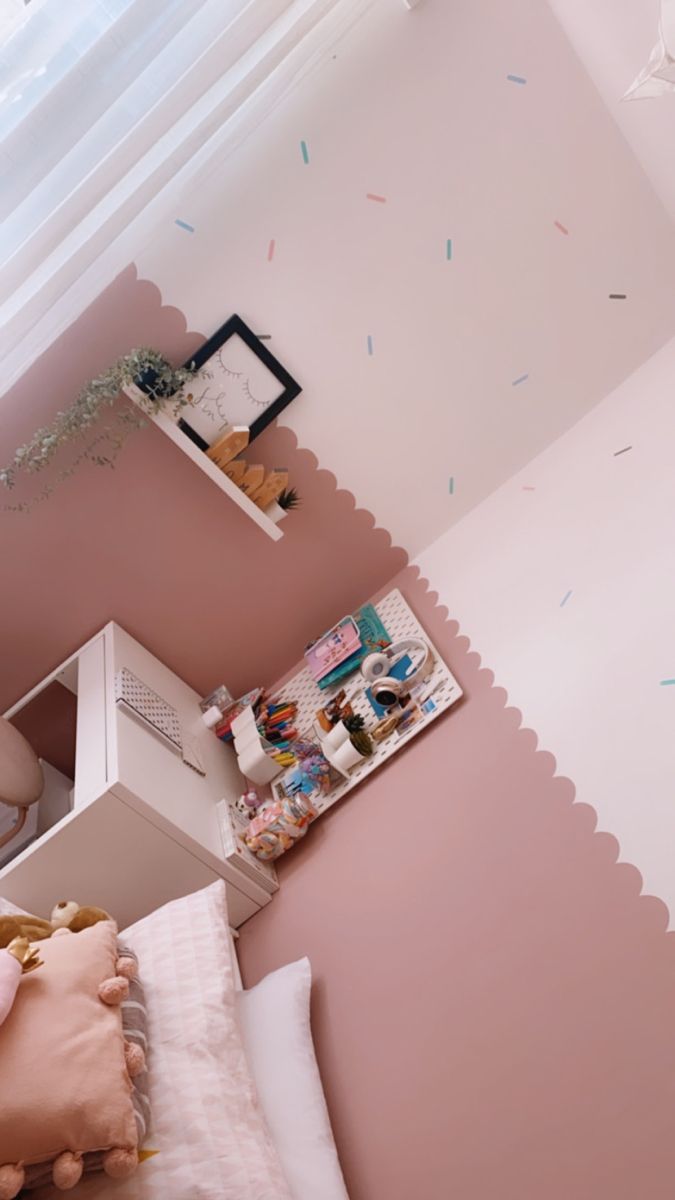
x=184, y=225
x=451, y=486
x=448, y=249
x=516, y=79
x=565, y=598
x=304, y=152
x=668, y=683
x=528, y=488
x=624, y=451
x=561, y=227
x=618, y=296
x=370, y=343
x=270, y=250
x=520, y=379
x=374, y=196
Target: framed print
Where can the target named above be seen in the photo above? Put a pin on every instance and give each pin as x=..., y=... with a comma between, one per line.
x=238, y=382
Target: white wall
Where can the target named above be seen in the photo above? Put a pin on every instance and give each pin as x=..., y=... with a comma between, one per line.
x=417, y=107
x=587, y=675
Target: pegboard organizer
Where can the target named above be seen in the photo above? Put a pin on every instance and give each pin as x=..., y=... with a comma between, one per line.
x=145, y=703
x=400, y=622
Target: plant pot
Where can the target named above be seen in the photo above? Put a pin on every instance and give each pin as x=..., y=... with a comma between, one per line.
x=275, y=512
x=337, y=737
x=345, y=757
x=147, y=382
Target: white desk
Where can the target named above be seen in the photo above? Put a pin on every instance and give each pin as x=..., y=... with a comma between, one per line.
x=144, y=827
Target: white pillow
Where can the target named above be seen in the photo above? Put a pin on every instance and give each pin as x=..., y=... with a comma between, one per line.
x=208, y=1131
x=274, y=1017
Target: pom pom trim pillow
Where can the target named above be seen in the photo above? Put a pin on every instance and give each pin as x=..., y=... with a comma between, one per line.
x=64, y=1085
x=209, y=1140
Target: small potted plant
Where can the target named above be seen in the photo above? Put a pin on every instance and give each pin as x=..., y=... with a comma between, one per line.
x=358, y=735
x=288, y=500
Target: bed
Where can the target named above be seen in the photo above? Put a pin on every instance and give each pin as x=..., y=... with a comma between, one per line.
x=237, y=1106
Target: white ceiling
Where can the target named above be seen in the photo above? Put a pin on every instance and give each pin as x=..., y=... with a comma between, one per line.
x=613, y=39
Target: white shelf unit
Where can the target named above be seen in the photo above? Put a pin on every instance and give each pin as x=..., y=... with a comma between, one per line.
x=201, y=460
x=400, y=622
x=144, y=826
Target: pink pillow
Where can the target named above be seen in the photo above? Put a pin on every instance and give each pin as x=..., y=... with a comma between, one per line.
x=64, y=1085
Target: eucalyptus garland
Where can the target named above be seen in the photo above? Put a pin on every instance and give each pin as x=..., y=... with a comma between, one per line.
x=161, y=387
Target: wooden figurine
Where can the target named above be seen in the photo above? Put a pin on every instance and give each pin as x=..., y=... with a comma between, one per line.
x=272, y=488
x=233, y=441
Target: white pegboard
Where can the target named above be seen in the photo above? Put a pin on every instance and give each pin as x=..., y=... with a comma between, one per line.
x=145, y=705
x=400, y=622
x=148, y=705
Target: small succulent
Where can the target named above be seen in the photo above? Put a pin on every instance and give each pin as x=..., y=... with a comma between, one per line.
x=358, y=736
x=361, y=742
x=288, y=499
x=354, y=723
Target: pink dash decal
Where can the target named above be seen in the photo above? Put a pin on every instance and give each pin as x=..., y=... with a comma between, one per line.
x=378, y=199
x=528, y=489
x=270, y=250
x=561, y=227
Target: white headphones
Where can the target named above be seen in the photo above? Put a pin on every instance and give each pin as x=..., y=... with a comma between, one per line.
x=387, y=690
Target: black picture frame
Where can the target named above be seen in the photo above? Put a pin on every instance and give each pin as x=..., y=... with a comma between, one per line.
x=291, y=388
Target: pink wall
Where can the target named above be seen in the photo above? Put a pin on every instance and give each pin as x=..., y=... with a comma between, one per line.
x=494, y=1000
x=50, y=724
x=154, y=546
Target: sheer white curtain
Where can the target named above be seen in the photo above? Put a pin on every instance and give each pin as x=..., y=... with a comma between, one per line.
x=102, y=104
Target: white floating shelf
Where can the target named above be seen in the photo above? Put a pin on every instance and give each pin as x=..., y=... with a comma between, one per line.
x=201, y=460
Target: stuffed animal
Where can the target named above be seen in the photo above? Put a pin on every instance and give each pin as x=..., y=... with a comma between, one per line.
x=67, y=914
x=33, y=928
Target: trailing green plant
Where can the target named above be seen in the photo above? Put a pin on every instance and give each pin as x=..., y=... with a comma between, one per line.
x=289, y=499
x=161, y=385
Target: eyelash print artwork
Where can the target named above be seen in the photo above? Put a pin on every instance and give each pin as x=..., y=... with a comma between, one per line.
x=234, y=388
x=236, y=382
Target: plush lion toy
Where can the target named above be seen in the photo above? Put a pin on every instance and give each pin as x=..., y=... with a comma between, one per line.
x=67, y=914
